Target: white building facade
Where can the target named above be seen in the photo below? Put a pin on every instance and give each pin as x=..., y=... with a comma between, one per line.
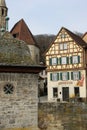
x=66, y=67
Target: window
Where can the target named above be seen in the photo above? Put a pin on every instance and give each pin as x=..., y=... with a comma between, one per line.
x=63, y=46
x=8, y=89
x=64, y=60
x=64, y=76
x=76, y=91
x=75, y=59
x=16, y=35
x=55, y=92
x=76, y=75
x=2, y=12
x=63, y=35
x=54, y=76
x=53, y=61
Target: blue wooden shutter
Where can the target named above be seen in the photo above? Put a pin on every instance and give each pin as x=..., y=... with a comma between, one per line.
x=51, y=76
x=78, y=59
x=67, y=75
x=71, y=60
x=50, y=61
x=60, y=76
x=57, y=60
x=79, y=75
x=60, y=60
x=67, y=58
x=71, y=75
x=57, y=76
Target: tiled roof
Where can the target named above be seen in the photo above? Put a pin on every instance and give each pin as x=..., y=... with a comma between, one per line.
x=76, y=38
x=23, y=33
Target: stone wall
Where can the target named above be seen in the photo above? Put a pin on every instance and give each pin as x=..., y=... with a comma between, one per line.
x=61, y=116
x=20, y=108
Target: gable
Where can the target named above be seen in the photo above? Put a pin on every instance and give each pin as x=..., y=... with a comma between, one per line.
x=22, y=32
x=65, y=42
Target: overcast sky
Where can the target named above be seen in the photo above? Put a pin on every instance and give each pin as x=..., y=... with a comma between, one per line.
x=48, y=16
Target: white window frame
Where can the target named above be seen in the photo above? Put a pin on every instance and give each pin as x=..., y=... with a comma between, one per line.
x=63, y=46
x=54, y=77
x=64, y=76
x=54, y=61
x=74, y=59
x=63, y=60
x=75, y=75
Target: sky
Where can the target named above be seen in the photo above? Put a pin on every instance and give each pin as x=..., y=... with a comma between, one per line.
x=48, y=16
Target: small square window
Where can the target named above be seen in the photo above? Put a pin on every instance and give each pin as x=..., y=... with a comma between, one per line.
x=8, y=88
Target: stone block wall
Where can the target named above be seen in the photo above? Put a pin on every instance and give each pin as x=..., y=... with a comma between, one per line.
x=18, y=109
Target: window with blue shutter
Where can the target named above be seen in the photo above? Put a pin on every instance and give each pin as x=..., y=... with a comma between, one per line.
x=54, y=76
x=53, y=61
x=75, y=75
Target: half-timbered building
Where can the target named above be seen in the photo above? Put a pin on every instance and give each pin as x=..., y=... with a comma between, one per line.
x=66, y=61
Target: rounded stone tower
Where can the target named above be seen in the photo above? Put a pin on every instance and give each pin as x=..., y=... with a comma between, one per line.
x=3, y=14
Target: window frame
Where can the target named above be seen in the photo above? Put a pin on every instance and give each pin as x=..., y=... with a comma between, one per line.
x=63, y=60
x=55, y=92
x=64, y=76
x=76, y=75
x=75, y=59
x=54, y=76
x=63, y=46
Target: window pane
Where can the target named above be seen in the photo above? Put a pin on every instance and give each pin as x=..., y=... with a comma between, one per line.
x=61, y=46
x=54, y=61
x=64, y=76
x=63, y=60
x=75, y=59
x=54, y=76
x=55, y=92
x=65, y=46
x=75, y=75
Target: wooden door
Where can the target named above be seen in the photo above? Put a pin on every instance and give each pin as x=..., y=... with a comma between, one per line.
x=65, y=92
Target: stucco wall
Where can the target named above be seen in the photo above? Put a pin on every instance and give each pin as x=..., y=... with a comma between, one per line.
x=19, y=109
